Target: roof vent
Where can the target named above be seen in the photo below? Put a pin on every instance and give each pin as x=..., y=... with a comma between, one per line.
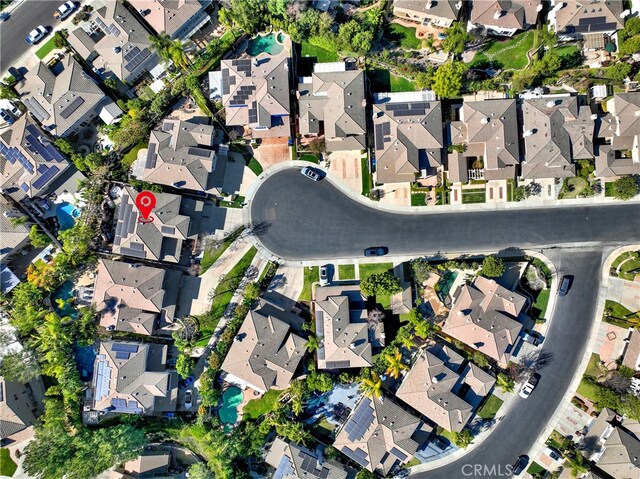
x=485, y=120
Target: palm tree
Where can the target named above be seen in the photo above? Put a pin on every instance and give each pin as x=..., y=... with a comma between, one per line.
x=395, y=365
x=160, y=43
x=178, y=55
x=18, y=220
x=371, y=386
x=314, y=343
x=405, y=337
x=577, y=464
x=506, y=383
x=463, y=438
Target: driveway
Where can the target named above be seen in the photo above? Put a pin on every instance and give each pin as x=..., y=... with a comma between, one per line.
x=346, y=166
x=627, y=293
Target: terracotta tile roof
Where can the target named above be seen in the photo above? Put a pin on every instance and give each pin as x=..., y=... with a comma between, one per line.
x=511, y=14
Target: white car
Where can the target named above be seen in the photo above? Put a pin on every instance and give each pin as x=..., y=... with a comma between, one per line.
x=324, y=275
x=188, y=399
x=529, y=386
x=310, y=173
x=65, y=10
x=37, y=34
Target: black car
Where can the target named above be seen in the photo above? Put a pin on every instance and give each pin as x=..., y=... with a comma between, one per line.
x=565, y=285
x=376, y=251
x=520, y=465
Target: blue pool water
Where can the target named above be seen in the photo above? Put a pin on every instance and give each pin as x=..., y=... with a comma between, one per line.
x=67, y=214
x=85, y=358
x=264, y=43
x=64, y=292
x=445, y=283
x=231, y=398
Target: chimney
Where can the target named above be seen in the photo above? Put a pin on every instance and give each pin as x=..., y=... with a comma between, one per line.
x=498, y=13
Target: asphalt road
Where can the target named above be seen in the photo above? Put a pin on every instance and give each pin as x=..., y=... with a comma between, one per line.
x=298, y=219
x=23, y=19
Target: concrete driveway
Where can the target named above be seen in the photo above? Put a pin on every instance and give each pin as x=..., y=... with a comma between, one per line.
x=346, y=166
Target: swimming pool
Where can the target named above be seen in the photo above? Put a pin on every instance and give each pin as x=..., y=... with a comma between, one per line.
x=231, y=398
x=445, y=283
x=265, y=43
x=85, y=358
x=64, y=292
x=67, y=215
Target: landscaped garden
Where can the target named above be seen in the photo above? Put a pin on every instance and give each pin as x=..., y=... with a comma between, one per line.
x=382, y=81
x=510, y=54
x=213, y=250
x=626, y=266
x=616, y=313
x=572, y=187
x=255, y=166
x=310, y=158
x=474, y=196
x=322, y=55
x=403, y=36
x=132, y=155
x=490, y=407
x=46, y=48
x=7, y=466
x=367, y=182
x=257, y=407
x=418, y=199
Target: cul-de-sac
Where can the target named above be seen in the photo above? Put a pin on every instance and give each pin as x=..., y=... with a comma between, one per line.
x=320, y=239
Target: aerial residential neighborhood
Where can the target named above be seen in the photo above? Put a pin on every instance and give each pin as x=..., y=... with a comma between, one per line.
x=347, y=239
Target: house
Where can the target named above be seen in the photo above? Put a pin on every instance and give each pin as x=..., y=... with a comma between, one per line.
x=409, y=136
x=255, y=94
x=136, y=298
x=18, y=412
x=585, y=19
x=618, y=137
x=266, y=352
x=379, y=435
x=504, y=17
x=159, y=240
x=631, y=356
x=14, y=236
x=133, y=378
x=292, y=461
x=114, y=42
x=181, y=154
x=440, y=13
x=612, y=447
x=558, y=130
x=332, y=103
x=436, y=387
x=149, y=464
x=486, y=133
x=486, y=317
x=180, y=19
x=29, y=162
x=65, y=98
x=341, y=320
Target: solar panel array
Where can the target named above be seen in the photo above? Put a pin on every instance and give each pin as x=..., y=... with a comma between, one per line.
x=71, y=107
x=167, y=126
x=309, y=466
x=360, y=421
x=379, y=137
x=201, y=152
x=169, y=230
x=132, y=252
x=36, y=109
x=338, y=364
x=46, y=174
x=253, y=112
x=225, y=81
x=285, y=468
x=242, y=65
x=358, y=455
x=152, y=157
x=101, y=24
x=113, y=30
x=136, y=59
x=48, y=152
x=126, y=221
x=103, y=376
x=12, y=154
x=399, y=454
x=124, y=350
x=409, y=109
x=595, y=24
x=242, y=95
x=121, y=405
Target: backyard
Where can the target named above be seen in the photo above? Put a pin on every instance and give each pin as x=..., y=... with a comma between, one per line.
x=132, y=155
x=382, y=81
x=257, y=407
x=403, y=36
x=509, y=54
x=322, y=55
x=7, y=466
x=311, y=275
x=347, y=271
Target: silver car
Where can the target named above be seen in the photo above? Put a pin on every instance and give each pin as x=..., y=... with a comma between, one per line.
x=188, y=399
x=310, y=173
x=324, y=275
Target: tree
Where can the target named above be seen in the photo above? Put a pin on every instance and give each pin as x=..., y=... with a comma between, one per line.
x=370, y=383
x=60, y=39
x=493, y=267
x=576, y=463
x=184, y=365
x=630, y=46
x=8, y=92
x=252, y=292
x=380, y=283
x=130, y=131
x=395, y=364
x=505, y=383
x=424, y=80
x=365, y=474
x=522, y=193
x=456, y=39
x=447, y=81
x=480, y=359
x=619, y=71
x=320, y=382
x=160, y=44
x=18, y=220
x=405, y=337
x=313, y=343
x=421, y=270
x=20, y=366
x=625, y=187
x=27, y=307
x=200, y=471
x=37, y=238
x=463, y=438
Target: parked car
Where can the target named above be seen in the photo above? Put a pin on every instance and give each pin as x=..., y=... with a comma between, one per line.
x=532, y=338
x=553, y=454
x=7, y=117
x=529, y=386
x=310, y=173
x=324, y=275
x=520, y=465
x=565, y=285
x=37, y=34
x=64, y=10
x=376, y=251
x=4, y=16
x=186, y=382
x=188, y=399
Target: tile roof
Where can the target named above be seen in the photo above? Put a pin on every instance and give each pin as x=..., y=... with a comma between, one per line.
x=341, y=320
x=61, y=101
x=631, y=357
x=511, y=14
x=408, y=137
x=29, y=162
x=159, y=240
x=379, y=434
x=586, y=16
x=168, y=16
x=12, y=235
x=425, y=9
x=292, y=461
x=266, y=352
x=334, y=95
x=484, y=316
x=558, y=131
x=149, y=463
x=16, y=408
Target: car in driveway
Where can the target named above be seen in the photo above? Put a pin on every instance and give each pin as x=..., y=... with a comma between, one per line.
x=310, y=173
x=532, y=337
x=529, y=386
x=324, y=275
x=520, y=464
x=64, y=10
x=565, y=285
x=188, y=399
x=376, y=251
x=37, y=34
x=186, y=382
x=553, y=454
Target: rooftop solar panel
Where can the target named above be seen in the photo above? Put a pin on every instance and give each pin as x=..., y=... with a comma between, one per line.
x=45, y=177
x=126, y=347
x=150, y=161
x=36, y=109
x=131, y=252
x=71, y=107
x=399, y=454
x=201, y=152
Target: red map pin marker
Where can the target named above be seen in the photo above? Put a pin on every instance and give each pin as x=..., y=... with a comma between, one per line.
x=145, y=201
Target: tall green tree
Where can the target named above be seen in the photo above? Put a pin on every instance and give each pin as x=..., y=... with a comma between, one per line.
x=447, y=81
x=625, y=187
x=493, y=267
x=380, y=283
x=20, y=366
x=395, y=364
x=371, y=384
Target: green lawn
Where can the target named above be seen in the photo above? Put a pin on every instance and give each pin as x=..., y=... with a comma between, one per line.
x=322, y=55
x=383, y=81
x=541, y=302
x=46, y=48
x=572, y=187
x=586, y=389
x=322, y=430
x=418, y=199
x=630, y=266
x=237, y=203
x=511, y=187
x=257, y=407
x=309, y=157
x=510, y=54
x=7, y=466
x=367, y=269
x=609, y=190
x=311, y=275
x=366, y=176
x=557, y=441
x=413, y=462
x=224, y=292
x=129, y=158
x=347, y=271
x=211, y=254
x=403, y=36
x=474, y=196
x=535, y=468
x=490, y=407
x=254, y=166
x=593, y=368
x=566, y=50
x=400, y=84
x=618, y=315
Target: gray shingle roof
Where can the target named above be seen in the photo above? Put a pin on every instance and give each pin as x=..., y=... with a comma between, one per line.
x=446, y=9
x=292, y=461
